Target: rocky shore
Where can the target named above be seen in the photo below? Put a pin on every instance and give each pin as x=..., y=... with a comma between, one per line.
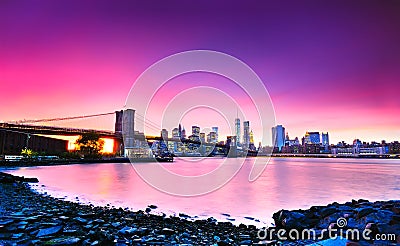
x=29, y=218
x=360, y=221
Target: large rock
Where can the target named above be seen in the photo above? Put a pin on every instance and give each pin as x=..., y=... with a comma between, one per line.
x=292, y=220
x=49, y=231
x=325, y=212
x=362, y=212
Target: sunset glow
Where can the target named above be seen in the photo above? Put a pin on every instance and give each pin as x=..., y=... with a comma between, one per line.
x=108, y=146
x=338, y=74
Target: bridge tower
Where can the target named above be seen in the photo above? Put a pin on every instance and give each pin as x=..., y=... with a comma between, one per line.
x=118, y=141
x=128, y=130
x=118, y=121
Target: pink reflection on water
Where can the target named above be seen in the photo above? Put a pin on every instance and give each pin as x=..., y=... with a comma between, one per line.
x=286, y=183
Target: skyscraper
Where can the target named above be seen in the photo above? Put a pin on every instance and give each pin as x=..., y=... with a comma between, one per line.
x=180, y=130
x=164, y=134
x=196, y=131
x=183, y=133
x=246, y=134
x=176, y=133
x=312, y=138
x=237, y=130
x=212, y=137
x=325, y=139
x=202, y=137
x=215, y=129
x=251, y=137
x=278, y=136
x=251, y=143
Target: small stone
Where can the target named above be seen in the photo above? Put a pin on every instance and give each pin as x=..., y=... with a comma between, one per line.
x=17, y=235
x=116, y=224
x=245, y=242
x=167, y=231
x=64, y=241
x=80, y=220
x=161, y=237
x=244, y=236
x=128, y=230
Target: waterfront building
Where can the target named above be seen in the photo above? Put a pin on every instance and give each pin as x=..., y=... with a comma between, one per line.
x=291, y=142
x=278, y=136
x=394, y=147
x=357, y=150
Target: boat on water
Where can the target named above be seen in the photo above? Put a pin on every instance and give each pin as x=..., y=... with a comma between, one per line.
x=166, y=158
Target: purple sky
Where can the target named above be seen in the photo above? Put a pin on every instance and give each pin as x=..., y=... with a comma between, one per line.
x=328, y=65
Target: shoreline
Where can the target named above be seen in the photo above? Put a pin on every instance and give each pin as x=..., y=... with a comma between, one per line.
x=30, y=218
x=12, y=164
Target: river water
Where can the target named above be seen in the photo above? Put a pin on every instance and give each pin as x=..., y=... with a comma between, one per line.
x=286, y=183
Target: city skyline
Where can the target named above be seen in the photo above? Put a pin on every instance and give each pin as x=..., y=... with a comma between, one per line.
x=338, y=74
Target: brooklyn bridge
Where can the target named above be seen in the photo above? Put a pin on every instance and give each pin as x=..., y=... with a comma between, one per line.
x=34, y=134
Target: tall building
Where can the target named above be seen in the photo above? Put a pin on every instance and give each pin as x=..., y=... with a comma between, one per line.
x=180, y=130
x=212, y=137
x=164, y=134
x=196, y=131
x=312, y=138
x=325, y=139
x=176, y=133
x=278, y=136
x=202, y=137
x=183, y=133
x=237, y=130
x=251, y=137
x=215, y=129
x=251, y=143
x=128, y=131
x=246, y=134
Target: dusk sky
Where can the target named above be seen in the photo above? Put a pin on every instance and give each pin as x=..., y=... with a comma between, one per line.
x=328, y=65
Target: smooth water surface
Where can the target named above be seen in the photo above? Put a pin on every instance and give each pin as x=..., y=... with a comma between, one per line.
x=286, y=183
